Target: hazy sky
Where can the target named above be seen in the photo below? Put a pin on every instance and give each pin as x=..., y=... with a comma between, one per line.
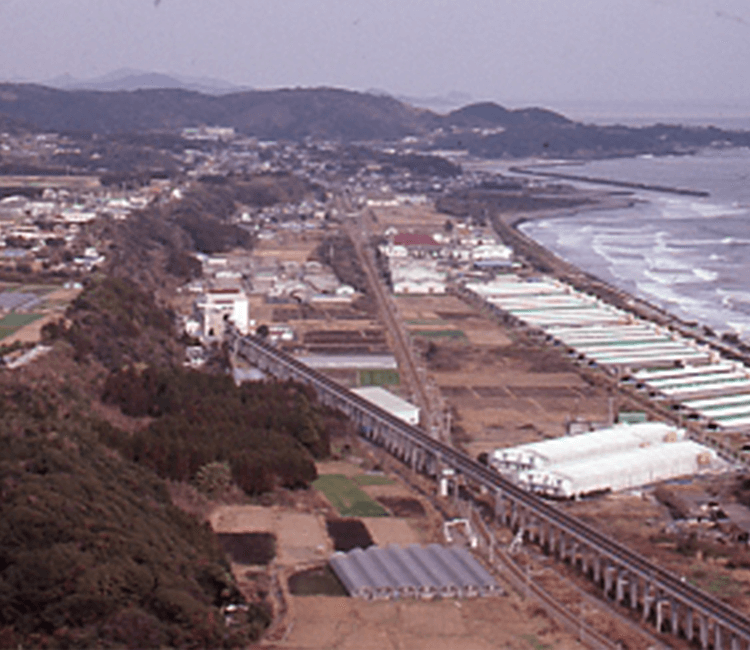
x=511, y=51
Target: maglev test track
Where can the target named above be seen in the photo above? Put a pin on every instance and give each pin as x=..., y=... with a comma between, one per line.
x=670, y=603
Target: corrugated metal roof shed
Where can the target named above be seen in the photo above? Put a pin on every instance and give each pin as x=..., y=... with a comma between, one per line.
x=412, y=572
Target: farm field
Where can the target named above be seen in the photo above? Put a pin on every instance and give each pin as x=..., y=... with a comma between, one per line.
x=12, y=322
x=501, y=390
x=25, y=326
x=348, y=499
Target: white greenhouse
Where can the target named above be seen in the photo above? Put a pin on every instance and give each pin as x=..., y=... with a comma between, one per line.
x=623, y=437
x=619, y=471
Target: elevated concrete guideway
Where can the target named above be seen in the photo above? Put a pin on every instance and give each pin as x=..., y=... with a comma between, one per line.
x=662, y=598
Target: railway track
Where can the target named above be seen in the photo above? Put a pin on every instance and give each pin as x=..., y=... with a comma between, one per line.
x=431, y=406
x=403, y=438
x=580, y=614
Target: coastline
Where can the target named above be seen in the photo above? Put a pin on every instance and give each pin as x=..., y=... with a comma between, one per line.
x=630, y=185
x=543, y=260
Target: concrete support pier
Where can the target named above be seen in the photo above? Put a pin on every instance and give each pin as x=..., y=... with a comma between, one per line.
x=661, y=596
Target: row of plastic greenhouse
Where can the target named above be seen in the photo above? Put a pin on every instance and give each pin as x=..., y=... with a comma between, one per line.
x=412, y=572
x=717, y=393
x=669, y=366
x=592, y=329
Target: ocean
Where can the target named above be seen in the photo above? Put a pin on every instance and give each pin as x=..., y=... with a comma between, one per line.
x=689, y=255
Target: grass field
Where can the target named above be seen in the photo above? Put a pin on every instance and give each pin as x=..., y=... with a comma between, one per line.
x=14, y=321
x=347, y=498
x=371, y=479
x=379, y=377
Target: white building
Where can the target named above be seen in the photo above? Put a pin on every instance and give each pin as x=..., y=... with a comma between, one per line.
x=387, y=401
x=220, y=305
x=619, y=471
x=410, y=276
x=594, y=444
x=617, y=458
x=492, y=252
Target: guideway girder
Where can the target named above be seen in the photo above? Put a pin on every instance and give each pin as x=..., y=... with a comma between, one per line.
x=669, y=603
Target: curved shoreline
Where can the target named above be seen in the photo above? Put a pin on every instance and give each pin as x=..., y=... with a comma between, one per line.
x=546, y=261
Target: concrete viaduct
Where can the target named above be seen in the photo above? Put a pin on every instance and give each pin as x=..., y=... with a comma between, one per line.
x=661, y=598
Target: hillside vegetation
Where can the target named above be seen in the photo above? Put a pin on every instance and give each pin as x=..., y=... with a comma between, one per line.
x=116, y=323
x=277, y=114
x=268, y=434
x=485, y=129
x=92, y=552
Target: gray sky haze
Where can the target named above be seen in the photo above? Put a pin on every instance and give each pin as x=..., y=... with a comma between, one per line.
x=630, y=51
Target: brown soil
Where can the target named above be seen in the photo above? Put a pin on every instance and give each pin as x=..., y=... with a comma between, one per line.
x=502, y=389
x=348, y=534
x=391, y=530
x=249, y=548
x=327, y=623
x=402, y=507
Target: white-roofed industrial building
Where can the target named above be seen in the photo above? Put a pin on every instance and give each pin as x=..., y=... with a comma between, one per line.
x=620, y=470
x=617, y=458
x=386, y=400
x=623, y=437
x=349, y=361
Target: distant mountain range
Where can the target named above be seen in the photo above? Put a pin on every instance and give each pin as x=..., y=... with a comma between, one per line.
x=485, y=129
x=130, y=79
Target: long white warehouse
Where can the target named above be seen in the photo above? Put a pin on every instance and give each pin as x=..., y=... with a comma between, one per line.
x=619, y=471
x=595, y=444
x=386, y=400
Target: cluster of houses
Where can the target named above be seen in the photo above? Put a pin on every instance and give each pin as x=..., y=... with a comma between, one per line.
x=45, y=231
x=423, y=263
x=228, y=281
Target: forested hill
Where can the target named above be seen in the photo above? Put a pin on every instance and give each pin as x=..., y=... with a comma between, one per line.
x=276, y=114
x=484, y=129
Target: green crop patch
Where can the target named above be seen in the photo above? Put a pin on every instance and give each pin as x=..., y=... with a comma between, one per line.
x=427, y=321
x=440, y=334
x=13, y=322
x=347, y=498
x=372, y=479
x=379, y=377
x=534, y=642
